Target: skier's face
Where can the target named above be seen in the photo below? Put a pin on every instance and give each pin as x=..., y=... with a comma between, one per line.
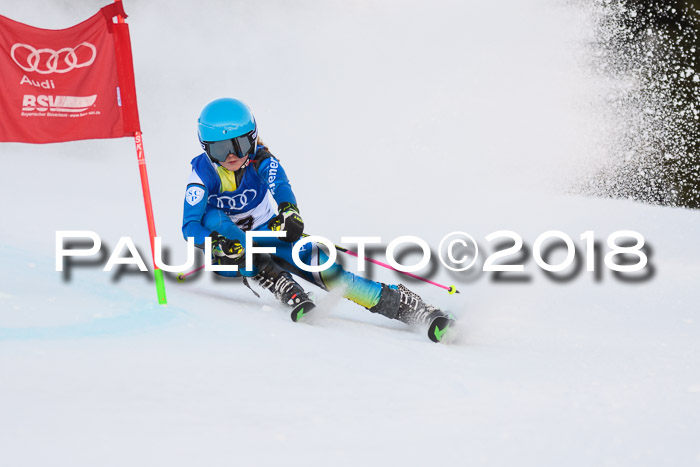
x=233, y=163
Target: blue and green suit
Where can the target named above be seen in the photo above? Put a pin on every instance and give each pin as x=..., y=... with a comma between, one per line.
x=232, y=203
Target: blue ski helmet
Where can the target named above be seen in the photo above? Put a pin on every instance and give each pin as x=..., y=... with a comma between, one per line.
x=227, y=126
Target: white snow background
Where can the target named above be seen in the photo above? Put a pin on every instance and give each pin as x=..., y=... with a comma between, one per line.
x=391, y=118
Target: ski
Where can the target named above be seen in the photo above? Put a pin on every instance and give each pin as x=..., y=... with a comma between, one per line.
x=439, y=328
x=301, y=310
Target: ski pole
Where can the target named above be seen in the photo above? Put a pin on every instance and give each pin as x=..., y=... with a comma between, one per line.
x=450, y=288
x=183, y=275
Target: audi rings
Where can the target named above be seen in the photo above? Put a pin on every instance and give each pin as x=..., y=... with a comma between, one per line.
x=33, y=62
x=238, y=201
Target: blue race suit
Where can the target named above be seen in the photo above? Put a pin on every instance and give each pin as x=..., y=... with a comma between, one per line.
x=233, y=203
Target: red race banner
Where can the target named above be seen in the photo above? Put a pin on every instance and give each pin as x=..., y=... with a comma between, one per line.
x=68, y=84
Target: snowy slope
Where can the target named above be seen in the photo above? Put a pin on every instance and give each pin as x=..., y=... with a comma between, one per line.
x=392, y=119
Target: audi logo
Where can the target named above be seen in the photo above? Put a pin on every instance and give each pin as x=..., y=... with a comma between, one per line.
x=47, y=61
x=236, y=202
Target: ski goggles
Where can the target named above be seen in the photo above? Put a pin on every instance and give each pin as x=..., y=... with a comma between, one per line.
x=240, y=146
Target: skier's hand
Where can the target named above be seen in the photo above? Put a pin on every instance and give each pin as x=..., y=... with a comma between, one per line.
x=227, y=251
x=288, y=220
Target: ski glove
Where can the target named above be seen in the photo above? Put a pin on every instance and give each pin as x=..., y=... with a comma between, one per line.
x=288, y=220
x=227, y=251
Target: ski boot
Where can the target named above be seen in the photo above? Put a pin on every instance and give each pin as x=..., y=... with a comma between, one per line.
x=280, y=282
x=397, y=302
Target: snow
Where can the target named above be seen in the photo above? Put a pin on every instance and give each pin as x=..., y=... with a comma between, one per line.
x=391, y=118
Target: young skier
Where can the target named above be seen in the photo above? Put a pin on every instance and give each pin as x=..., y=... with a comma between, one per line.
x=237, y=185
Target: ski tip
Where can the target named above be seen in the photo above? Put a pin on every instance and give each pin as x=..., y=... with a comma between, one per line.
x=302, y=310
x=439, y=327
